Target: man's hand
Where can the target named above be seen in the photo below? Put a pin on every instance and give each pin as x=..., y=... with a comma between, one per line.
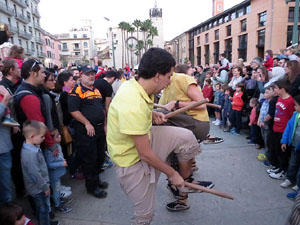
x=176, y=180
x=283, y=147
x=170, y=105
x=47, y=193
x=90, y=130
x=158, y=117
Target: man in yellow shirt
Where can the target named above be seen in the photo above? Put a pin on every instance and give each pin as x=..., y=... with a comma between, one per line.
x=139, y=149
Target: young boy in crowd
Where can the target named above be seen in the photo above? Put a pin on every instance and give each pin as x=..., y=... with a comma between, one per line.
x=284, y=111
x=226, y=108
x=263, y=123
x=237, y=107
x=253, y=121
x=218, y=99
x=56, y=168
x=291, y=137
x=35, y=171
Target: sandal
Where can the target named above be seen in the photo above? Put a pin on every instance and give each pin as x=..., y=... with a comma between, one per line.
x=212, y=140
x=177, y=206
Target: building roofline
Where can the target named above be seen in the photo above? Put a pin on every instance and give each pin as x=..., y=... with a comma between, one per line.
x=220, y=15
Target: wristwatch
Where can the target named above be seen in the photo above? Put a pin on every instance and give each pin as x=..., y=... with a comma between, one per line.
x=177, y=104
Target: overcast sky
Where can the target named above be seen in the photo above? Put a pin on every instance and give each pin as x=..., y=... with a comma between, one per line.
x=58, y=16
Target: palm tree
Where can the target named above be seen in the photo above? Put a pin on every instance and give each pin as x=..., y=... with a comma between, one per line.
x=131, y=30
x=126, y=30
x=122, y=27
x=139, y=47
x=145, y=28
x=137, y=24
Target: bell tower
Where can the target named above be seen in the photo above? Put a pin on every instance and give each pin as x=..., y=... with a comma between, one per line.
x=156, y=17
x=218, y=7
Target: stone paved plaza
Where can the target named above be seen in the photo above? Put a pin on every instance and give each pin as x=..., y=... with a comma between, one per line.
x=232, y=166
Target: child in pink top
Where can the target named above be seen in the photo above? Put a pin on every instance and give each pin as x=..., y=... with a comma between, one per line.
x=253, y=122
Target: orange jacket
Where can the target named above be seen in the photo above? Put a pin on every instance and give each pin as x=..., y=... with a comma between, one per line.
x=238, y=101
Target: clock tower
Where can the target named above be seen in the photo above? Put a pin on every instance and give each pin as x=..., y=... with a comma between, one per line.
x=157, y=21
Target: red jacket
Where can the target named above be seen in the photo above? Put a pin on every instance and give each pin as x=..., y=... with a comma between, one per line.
x=238, y=101
x=208, y=92
x=269, y=64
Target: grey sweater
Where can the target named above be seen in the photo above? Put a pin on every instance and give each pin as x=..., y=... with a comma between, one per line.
x=35, y=171
x=5, y=135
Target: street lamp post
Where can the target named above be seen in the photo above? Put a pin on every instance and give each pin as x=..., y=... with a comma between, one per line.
x=296, y=21
x=295, y=27
x=113, y=47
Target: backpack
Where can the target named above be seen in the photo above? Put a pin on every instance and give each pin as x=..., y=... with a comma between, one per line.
x=11, y=104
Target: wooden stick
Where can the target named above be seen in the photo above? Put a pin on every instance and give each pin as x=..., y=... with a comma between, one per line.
x=186, y=108
x=211, y=191
x=213, y=105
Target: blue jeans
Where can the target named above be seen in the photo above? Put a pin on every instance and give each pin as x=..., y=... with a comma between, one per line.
x=5, y=177
x=42, y=204
x=55, y=186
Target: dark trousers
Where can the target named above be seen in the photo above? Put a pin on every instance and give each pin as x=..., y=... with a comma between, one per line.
x=91, y=152
x=253, y=133
x=271, y=147
x=236, y=119
x=282, y=157
x=16, y=170
x=293, y=174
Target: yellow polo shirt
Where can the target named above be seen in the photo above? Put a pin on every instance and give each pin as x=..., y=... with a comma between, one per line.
x=130, y=113
x=177, y=91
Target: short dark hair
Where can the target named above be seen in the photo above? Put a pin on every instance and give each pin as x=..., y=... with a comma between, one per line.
x=223, y=55
x=297, y=99
x=63, y=76
x=29, y=66
x=283, y=84
x=10, y=212
x=16, y=52
x=7, y=65
x=208, y=80
x=201, y=67
x=241, y=85
x=48, y=75
x=155, y=60
x=111, y=73
x=182, y=68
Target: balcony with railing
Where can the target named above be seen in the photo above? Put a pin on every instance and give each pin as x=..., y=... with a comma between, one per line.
x=28, y=52
x=38, y=27
x=22, y=18
x=36, y=13
x=6, y=9
x=20, y=3
x=41, y=54
x=39, y=40
x=24, y=35
x=13, y=30
x=76, y=49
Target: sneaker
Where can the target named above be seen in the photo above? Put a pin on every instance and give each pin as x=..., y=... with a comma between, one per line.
x=106, y=164
x=214, y=121
x=66, y=200
x=286, y=183
x=226, y=130
x=10, y=122
x=65, y=194
x=232, y=129
x=217, y=123
x=295, y=188
x=65, y=188
x=62, y=208
x=292, y=196
x=262, y=157
x=234, y=132
x=98, y=193
x=279, y=175
x=266, y=164
x=177, y=206
x=274, y=170
x=250, y=143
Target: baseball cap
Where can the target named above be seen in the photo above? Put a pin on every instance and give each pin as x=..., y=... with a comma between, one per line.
x=86, y=69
